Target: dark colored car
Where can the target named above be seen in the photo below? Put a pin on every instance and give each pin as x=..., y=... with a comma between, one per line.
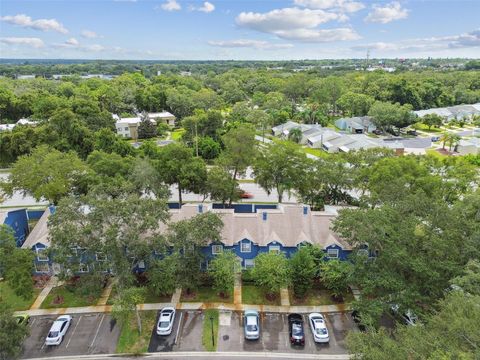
x=377, y=132
x=358, y=320
x=412, y=132
x=296, y=329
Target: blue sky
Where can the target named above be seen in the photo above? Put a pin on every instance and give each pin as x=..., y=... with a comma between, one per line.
x=248, y=29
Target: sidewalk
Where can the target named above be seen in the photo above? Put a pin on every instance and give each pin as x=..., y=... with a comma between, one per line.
x=106, y=294
x=53, y=282
x=193, y=306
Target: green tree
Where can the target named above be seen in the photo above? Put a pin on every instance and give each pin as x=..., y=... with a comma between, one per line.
x=12, y=334
x=432, y=120
x=335, y=276
x=451, y=333
x=355, y=104
x=161, y=275
x=124, y=230
x=469, y=281
x=177, y=165
x=188, y=237
x=125, y=305
x=146, y=128
x=47, y=173
x=239, y=152
x=279, y=167
x=386, y=115
x=302, y=271
x=271, y=272
x=219, y=186
x=208, y=148
x=295, y=135
x=222, y=269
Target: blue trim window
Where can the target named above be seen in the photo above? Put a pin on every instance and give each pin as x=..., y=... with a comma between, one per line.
x=42, y=255
x=42, y=267
x=83, y=268
x=249, y=263
x=245, y=247
x=333, y=253
x=217, y=249
x=274, y=249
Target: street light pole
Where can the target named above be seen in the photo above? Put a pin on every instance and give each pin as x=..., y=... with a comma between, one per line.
x=213, y=338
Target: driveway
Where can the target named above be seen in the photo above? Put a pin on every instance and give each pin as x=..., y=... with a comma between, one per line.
x=93, y=333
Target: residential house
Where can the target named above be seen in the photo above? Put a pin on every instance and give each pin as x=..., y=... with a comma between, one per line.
x=163, y=117
x=457, y=112
x=468, y=146
x=317, y=140
x=128, y=127
x=356, y=125
x=248, y=231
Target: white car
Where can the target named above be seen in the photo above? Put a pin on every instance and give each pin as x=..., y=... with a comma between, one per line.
x=251, y=325
x=58, y=330
x=165, y=321
x=319, y=328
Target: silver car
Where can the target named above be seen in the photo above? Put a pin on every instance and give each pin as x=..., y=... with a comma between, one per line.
x=58, y=330
x=165, y=321
x=251, y=324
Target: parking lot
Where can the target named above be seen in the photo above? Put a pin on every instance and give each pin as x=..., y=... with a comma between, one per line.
x=88, y=334
x=188, y=325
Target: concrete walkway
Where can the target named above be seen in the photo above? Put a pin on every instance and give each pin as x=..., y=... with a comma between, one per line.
x=284, y=297
x=53, y=282
x=106, y=294
x=237, y=289
x=176, y=296
x=194, y=306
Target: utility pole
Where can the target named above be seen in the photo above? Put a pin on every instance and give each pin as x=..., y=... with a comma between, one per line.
x=196, y=137
x=367, y=59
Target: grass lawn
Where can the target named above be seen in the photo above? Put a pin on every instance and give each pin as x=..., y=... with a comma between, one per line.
x=254, y=295
x=70, y=299
x=130, y=341
x=435, y=153
x=318, y=297
x=205, y=294
x=316, y=152
x=8, y=296
x=424, y=127
x=177, y=134
x=149, y=297
x=207, y=330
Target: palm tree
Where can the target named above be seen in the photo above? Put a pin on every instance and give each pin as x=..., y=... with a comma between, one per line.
x=444, y=139
x=453, y=141
x=295, y=135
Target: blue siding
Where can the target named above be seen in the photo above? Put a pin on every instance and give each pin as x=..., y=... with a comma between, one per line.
x=18, y=221
x=35, y=214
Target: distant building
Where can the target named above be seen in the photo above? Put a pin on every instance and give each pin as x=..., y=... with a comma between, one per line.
x=185, y=73
x=25, y=77
x=128, y=127
x=356, y=125
x=468, y=146
x=10, y=127
x=457, y=112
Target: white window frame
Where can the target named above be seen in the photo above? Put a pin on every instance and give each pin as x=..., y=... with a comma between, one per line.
x=331, y=256
x=141, y=264
x=275, y=249
x=81, y=269
x=251, y=263
x=217, y=249
x=42, y=264
x=42, y=250
x=245, y=243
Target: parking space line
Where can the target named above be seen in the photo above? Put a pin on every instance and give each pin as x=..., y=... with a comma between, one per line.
x=75, y=328
x=98, y=329
x=33, y=322
x=178, y=328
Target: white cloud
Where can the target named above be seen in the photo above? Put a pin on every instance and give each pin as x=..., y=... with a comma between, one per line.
x=207, y=7
x=72, y=41
x=297, y=24
x=338, y=5
x=246, y=43
x=385, y=14
x=171, y=5
x=27, y=41
x=427, y=45
x=39, y=24
x=89, y=34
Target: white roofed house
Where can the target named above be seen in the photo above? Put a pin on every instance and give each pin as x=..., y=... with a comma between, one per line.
x=163, y=117
x=468, y=146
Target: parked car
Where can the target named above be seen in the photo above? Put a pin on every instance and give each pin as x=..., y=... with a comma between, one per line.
x=435, y=138
x=23, y=319
x=251, y=325
x=357, y=318
x=295, y=327
x=319, y=328
x=58, y=330
x=377, y=132
x=165, y=321
x=408, y=317
x=412, y=132
x=245, y=195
